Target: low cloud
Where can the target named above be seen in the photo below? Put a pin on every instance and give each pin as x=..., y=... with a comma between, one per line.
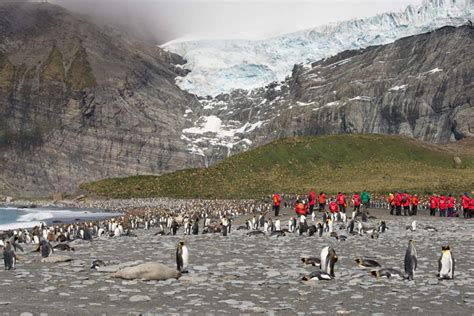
x=165, y=20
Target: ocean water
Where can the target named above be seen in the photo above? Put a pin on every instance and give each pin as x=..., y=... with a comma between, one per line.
x=14, y=218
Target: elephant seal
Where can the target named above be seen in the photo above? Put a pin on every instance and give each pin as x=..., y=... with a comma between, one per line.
x=147, y=271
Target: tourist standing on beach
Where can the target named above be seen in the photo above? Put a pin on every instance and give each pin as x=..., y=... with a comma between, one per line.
x=312, y=201
x=299, y=208
x=333, y=207
x=391, y=202
x=398, y=204
x=433, y=204
x=442, y=205
x=465, y=204
x=322, y=201
x=341, y=201
x=414, y=205
x=276, y=203
x=365, y=199
x=406, y=203
x=451, y=203
x=356, y=202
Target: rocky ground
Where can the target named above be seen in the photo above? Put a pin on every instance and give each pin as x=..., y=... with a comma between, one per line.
x=250, y=275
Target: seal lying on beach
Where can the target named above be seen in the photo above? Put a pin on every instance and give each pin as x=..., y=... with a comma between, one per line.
x=56, y=259
x=147, y=271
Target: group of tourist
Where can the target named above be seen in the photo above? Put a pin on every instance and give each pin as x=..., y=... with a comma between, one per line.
x=399, y=203
x=402, y=200
x=446, y=205
x=306, y=205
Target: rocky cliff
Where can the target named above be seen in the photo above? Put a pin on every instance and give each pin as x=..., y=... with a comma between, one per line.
x=419, y=86
x=81, y=102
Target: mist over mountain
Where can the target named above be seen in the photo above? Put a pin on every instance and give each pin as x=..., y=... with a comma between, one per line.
x=164, y=20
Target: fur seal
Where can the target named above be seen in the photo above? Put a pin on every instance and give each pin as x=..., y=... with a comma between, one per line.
x=311, y=230
x=366, y=263
x=255, y=233
x=312, y=261
x=278, y=233
x=63, y=247
x=387, y=272
x=97, y=263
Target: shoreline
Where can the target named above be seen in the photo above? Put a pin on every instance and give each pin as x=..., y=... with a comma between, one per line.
x=54, y=216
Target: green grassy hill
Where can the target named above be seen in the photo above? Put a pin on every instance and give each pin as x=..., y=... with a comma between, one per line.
x=330, y=163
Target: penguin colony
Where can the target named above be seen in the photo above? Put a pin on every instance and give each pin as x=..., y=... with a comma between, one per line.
x=221, y=223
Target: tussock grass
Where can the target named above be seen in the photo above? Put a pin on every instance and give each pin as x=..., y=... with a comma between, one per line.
x=330, y=163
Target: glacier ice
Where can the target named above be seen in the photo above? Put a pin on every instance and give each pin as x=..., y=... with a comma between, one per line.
x=219, y=66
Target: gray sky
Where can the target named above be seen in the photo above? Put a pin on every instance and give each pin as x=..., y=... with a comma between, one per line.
x=165, y=20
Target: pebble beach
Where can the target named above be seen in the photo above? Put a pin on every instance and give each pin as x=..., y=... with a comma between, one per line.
x=241, y=274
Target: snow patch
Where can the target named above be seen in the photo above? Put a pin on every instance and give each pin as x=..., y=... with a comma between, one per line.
x=299, y=103
x=210, y=131
x=361, y=98
x=433, y=71
x=398, y=88
x=208, y=124
x=332, y=103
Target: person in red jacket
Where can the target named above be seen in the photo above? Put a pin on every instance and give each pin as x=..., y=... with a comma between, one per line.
x=333, y=207
x=398, y=204
x=442, y=204
x=312, y=201
x=276, y=203
x=356, y=202
x=465, y=205
x=433, y=204
x=406, y=204
x=414, y=205
x=341, y=202
x=322, y=201
x=299, y=208
x=451, y=203
x=391, y=202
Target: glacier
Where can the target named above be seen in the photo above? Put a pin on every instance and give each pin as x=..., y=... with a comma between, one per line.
x=220, y=66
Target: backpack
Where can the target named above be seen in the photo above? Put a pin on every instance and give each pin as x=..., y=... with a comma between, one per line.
x=404, y=199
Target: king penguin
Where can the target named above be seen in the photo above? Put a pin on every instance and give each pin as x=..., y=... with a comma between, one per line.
x=446, y=264
x=182, y=257
x=45, y=248
x=328, y=260
x=9, y=257
x=410, y=260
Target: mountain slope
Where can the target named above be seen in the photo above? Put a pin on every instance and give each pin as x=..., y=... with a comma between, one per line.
x=420, y=86
x=330, y=163
x=80, y=102
x=219, y=66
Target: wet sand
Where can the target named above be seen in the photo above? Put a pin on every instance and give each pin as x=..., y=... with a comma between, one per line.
x=238, y=274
